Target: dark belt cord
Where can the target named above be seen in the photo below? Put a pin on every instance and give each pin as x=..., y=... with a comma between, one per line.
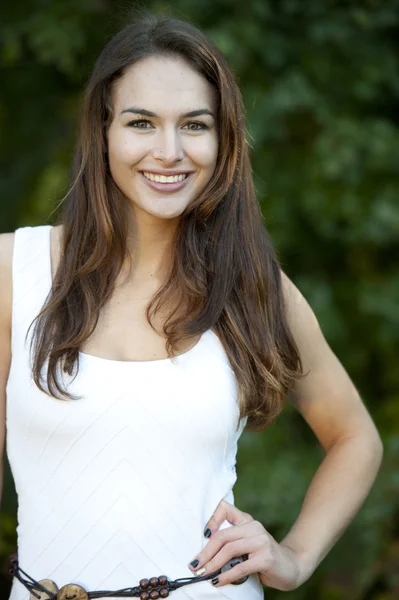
x=144, y=590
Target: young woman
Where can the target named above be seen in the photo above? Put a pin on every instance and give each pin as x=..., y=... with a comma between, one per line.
x=141, y=335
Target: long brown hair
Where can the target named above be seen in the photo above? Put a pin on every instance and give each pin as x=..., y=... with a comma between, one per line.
x=224, y=269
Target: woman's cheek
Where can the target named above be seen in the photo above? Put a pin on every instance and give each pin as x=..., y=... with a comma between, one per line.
x=124, y=147
x=204, y=153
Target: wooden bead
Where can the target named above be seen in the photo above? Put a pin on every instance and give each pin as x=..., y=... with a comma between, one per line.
x=163, y=580
x=163, y=593
x=72, y=590
x=154, y=582
x=12, y=563
x=144, y=596
x=154, y=595
x=49, y=585
x=144, y=584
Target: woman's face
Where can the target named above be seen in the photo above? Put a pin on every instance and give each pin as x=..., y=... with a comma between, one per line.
x=163, y=126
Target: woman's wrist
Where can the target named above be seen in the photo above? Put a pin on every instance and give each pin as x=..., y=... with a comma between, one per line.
x=305, y=563
x=290, y=569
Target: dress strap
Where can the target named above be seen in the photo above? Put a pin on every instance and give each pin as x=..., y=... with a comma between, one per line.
x=31, y=279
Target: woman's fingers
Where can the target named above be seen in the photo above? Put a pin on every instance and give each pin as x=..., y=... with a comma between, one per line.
x=210, y=559
x=277, y=566
x=225, y=512
x=244, y=569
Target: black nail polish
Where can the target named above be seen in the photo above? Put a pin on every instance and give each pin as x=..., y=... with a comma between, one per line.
x=207, y=533
x=215, y=581
x=195, y=563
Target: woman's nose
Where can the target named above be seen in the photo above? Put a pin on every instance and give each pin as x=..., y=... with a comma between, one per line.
x=169, y=147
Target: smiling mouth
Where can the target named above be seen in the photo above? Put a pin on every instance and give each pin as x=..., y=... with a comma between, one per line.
x=164, y=178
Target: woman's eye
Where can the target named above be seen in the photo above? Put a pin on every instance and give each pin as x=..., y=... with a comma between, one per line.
x=140, y=124
x=144, y=123
x=198, y=126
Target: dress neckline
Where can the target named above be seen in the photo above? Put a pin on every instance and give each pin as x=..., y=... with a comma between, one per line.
x=86, y=358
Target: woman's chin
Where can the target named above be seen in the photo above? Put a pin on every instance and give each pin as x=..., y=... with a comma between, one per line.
x=167, y=212
x=157, y=215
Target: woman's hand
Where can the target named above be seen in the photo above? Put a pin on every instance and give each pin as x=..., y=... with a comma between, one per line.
x=277, y=565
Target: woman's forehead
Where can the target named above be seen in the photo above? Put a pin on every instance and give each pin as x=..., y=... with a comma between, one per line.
x=161, y=84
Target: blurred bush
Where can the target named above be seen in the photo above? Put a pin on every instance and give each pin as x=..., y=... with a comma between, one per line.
x=321, y=84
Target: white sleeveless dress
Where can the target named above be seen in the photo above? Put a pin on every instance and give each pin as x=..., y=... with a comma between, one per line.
x=118, y=485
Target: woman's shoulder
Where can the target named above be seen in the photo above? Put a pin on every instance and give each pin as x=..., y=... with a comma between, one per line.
x=300, y=316
x=292, y=296
x=6, y=249
x=55, y=247
x=7, y=243
x=6, y=254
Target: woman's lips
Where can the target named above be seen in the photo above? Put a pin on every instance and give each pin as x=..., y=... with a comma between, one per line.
x=165, y=187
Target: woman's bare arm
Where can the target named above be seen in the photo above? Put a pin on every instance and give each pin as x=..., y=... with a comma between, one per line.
x=330, y=404
x=6, y=252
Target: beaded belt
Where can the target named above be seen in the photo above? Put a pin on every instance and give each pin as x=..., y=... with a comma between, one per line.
x=148, y=589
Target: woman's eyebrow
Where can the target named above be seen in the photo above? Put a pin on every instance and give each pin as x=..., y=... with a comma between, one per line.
x=148, y=113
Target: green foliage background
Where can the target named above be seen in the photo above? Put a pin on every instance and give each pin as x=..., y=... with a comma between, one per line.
x=320, y=81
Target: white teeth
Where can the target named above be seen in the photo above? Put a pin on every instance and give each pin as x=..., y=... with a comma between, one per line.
x=163, y=178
